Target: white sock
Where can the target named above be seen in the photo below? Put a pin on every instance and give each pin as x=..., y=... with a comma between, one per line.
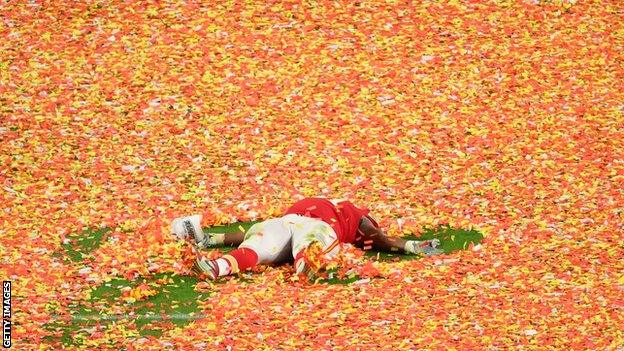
x=224, y=267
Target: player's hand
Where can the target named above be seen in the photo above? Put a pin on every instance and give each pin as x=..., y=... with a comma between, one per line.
x=424, y=247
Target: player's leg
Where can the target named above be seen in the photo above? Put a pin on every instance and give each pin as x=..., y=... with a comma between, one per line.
x=265, y=242
x=269, y=239
x=308, y=231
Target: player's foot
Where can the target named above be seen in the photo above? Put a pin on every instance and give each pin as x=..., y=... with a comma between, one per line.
x=208, y=267
x=213, y=268
x=189, y=228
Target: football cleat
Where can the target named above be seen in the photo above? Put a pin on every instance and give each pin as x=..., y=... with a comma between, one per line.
x=208, y=267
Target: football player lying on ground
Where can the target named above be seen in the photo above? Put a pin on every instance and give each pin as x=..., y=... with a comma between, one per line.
x=307, y=222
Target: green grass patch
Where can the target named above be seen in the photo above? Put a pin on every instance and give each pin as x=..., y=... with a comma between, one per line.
x=175, y=303
x=81, y=244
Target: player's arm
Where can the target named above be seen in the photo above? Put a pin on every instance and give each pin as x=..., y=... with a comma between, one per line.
x=370, y=236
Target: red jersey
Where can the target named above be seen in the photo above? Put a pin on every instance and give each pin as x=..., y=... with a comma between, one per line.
x=344, y=217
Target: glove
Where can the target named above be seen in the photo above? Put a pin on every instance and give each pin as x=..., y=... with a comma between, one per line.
x=425, y=247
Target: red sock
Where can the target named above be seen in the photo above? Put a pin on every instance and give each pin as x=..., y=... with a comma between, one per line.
x=244, y=257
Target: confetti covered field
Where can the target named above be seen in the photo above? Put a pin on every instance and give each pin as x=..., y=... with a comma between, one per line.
x=504, y=118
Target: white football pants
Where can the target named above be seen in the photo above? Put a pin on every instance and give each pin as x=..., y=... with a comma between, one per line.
x=278, y=239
